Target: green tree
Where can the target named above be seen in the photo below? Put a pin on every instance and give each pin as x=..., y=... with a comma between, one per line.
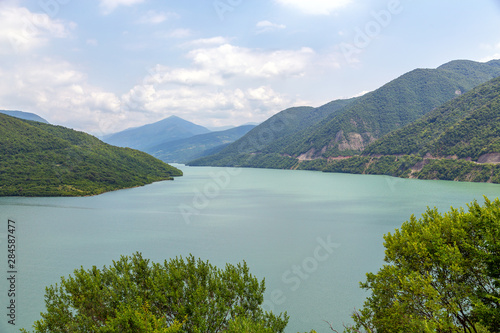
x=441, y=275
x=180, y=295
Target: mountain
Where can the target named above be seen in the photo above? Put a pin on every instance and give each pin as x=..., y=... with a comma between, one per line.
x=24, y=115
x=392, y=106
x=458, y=141
x=272, y=135
x=467, y=127
x=169, y=129
x=362, y=120
x=45, y=160
x=184, y=150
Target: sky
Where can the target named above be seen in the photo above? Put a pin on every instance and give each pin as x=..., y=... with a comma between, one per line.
x=102, y=66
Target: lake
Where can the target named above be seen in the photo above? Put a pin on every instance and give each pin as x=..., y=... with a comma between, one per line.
x=311, y=235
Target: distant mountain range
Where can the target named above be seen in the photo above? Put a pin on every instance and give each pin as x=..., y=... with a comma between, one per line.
x=24, y=115
x=39, y=159
x=166, y=130
x=174, y=139
x=184, y=150
x=345, y=128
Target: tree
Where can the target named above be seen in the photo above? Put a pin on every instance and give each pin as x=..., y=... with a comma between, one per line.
x=180, y=295
x=441, y=275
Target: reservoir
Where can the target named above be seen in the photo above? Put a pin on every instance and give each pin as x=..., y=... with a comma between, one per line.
x=313, y=236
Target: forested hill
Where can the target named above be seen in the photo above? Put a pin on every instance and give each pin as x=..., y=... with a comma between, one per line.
x=348, y=130
x=273, y=134
x=467, y=127
x=457, y=141
x=44, y=160
x=392, y=106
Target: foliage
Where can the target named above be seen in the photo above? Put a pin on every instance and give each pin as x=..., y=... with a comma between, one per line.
x=468, y=126
x=392, y=106
x=441, y=275
x=272, y=161
x=44, y=160
x=346, y=127
x=355, y=164
x=273, y=135
x=180, y=295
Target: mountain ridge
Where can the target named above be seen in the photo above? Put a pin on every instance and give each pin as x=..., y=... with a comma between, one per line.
x=24, y=115
x=168, y=129
x=184, y=150
x=458, y=141
x=365, y=119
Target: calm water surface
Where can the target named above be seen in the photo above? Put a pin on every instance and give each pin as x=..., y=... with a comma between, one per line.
x=312, y=235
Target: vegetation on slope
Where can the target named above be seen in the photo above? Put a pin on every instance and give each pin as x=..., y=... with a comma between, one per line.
x=457, y=141
x=392, y=106
x=468, y=126
x=273, y=134
x=44, y=160
x=358, y=122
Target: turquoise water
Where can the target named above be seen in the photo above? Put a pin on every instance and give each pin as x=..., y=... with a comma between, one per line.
x=312, y=235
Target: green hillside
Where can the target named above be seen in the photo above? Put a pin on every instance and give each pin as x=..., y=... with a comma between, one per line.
x=467, y=127
x=273, y=135
x=392, y=106
x=44, y=160
x=457, y=141
x=356, y=123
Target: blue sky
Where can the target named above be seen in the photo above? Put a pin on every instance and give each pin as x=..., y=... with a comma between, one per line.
x=105, y=65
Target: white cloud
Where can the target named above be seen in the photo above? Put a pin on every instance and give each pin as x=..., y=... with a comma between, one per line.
x=108, y=6
x=204, y=92
x=221, y=107
x=22, y=31
x=315, y=7
x=153, y=17
x=266, y=26
x=58, y=92
x=183, y=76
x=233, y=60
x=207, y=42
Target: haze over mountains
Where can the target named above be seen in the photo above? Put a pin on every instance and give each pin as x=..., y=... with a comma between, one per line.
x=24, y=115
x=174, y=139
x=197, y=146
x=168, y=129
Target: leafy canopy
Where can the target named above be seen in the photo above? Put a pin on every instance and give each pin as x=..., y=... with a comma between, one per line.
x=180, y=295
x=441, y=275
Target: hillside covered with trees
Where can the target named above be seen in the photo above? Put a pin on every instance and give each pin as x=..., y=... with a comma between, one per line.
x=38, y=159
x=359, y=122
x=457, y=141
